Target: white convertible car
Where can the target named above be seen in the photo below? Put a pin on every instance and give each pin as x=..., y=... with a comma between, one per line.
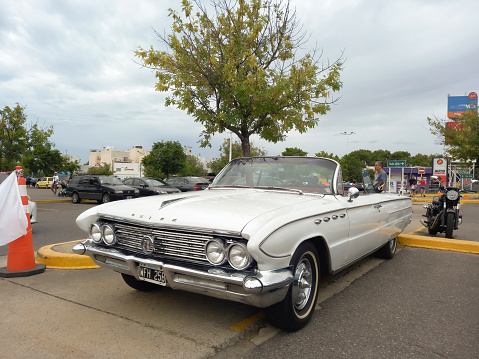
x=262, y=234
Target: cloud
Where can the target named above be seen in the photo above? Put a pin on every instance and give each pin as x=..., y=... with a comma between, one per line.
x=72, y=64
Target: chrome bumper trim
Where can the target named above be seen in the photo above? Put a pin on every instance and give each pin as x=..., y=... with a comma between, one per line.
x=259, y=288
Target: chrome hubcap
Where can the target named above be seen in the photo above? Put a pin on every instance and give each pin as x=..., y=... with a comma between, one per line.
x=303, y=279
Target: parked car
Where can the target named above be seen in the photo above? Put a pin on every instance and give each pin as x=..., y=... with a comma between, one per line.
x=262, y=234
x=101, y=188
x=44, y=182
x=150, y=186
x=185, y=184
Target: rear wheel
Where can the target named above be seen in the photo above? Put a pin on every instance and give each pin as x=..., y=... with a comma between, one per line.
x=297, y=308
x=388, y=250
x=449, y=224
x=138, y=284
x=76, y=198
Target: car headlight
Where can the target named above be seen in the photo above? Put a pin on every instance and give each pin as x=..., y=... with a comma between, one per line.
x=452, y=195
x=238, y=256
x=137, y=191
x=215, y=252
x=108, y=234
x=118, y=191
x=95, y=232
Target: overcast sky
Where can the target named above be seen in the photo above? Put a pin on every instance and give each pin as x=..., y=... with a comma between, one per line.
x=71, y=63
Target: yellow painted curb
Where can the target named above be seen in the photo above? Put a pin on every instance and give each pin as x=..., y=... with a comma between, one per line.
x=445, y=244
x=58, y=260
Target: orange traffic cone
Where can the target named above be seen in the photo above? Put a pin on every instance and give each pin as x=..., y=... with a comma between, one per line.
x=21, y=256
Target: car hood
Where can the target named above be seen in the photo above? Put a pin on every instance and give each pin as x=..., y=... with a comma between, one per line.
x=226, y=210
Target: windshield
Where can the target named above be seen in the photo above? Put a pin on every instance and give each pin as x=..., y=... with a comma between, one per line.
x=109, y=180
x=155, y=183
x=312, y=175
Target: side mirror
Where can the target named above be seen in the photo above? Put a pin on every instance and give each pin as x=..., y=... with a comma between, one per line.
x=353, y=192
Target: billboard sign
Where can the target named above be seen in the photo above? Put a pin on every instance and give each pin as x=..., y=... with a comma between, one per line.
x=439, y=169
x=458, y=105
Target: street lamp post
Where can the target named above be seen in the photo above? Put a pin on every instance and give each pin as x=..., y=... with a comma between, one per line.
x=347, y=134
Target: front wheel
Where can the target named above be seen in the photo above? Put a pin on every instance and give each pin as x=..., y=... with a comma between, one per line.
x=297, y=308
x=449, y=224
x=106, y=198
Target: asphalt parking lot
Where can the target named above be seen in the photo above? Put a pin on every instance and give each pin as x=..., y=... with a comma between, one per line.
x=421, y=304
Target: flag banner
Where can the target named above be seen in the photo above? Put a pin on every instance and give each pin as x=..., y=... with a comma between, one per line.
x=13, y=221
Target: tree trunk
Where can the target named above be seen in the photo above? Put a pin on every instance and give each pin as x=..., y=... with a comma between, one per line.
x=245, y=146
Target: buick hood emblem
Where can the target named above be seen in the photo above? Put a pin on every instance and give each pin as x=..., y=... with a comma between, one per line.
x=148, y=245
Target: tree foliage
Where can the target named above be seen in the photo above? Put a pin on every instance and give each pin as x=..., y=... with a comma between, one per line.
x=165, y=158
x=241, y=70
x=13, y=136
x=236, y=152
x=327, y=155
x=293, y=151
x=193, y=167
x=28, y=146
x=461, y=140
x=104, y=169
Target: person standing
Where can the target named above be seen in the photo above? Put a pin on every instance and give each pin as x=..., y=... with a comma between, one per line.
x=412, y=186
x=54, y=186
x=422, y=187
x=380, y=181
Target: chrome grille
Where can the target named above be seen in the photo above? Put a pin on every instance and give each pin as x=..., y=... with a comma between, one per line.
x=169, y=243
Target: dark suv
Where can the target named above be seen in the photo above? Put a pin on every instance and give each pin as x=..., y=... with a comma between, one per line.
x=102, y=188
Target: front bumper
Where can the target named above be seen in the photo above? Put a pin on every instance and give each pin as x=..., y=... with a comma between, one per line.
x=258, y=288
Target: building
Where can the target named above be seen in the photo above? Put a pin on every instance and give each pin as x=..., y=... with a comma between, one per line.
x=122, y=163
x=128, y=163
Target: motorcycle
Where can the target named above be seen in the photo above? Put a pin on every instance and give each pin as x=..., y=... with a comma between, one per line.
x=442, y=215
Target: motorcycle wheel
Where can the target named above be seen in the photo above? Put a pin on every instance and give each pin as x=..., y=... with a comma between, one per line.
x=449, y=225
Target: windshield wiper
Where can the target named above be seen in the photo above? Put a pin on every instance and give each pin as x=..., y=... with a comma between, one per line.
x=282, y=189
x=231, y=186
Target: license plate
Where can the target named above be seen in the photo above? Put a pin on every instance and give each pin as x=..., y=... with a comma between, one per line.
x=152, y=274
x=129, y=197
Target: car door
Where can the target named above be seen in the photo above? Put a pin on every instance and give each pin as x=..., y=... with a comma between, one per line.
x=142, y=186
x=364, y=213
x=182, y=184
x=90, y=188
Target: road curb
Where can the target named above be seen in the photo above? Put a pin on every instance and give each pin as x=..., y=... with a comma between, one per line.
x=57, y=259
x=455, y=245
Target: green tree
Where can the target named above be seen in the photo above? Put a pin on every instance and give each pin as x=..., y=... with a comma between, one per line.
x=193, y=167
x=380, y=155
x=28, y=147
x=462, y=139
x=165, y=158
x=239, y=70
x=13, y=137
x=293, y=151
x=236, y=152
x=421, y=160
x=400, y=155
x=328, y=155
x=104, y=169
